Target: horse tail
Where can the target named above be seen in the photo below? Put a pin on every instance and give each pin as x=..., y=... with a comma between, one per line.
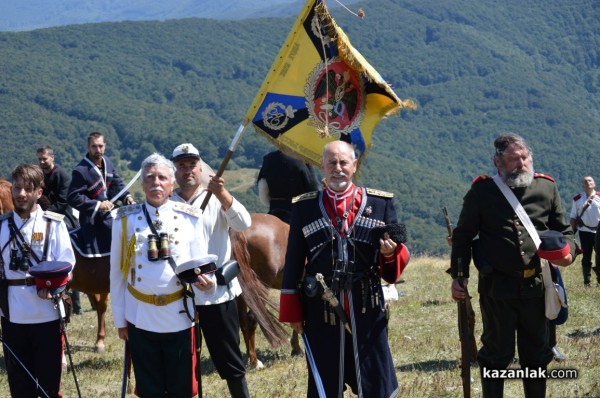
x=255, y=293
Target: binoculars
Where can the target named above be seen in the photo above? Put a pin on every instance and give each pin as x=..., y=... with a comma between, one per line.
x=158, y=247
x=19, y=263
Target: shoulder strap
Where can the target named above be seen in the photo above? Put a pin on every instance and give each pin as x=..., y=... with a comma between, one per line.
x=521, y=213
x=588, y=202
x=46, y=240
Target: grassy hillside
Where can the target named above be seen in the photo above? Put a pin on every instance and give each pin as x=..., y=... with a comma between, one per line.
x=475, y=68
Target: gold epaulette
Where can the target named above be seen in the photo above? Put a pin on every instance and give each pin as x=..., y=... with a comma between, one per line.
x=376, y=192
x=54, y=216
x=540, y=175
x=480, y=178
x=304, y=196
x=187, y=209
x=124, y=211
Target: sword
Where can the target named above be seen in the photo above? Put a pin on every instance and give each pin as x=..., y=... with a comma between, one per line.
x=125, y=370
x=122, y=191
x=63, y=328
x=313, y=367
x=329, y=296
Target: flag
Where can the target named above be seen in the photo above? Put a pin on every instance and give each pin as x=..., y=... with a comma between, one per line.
x=320, y=89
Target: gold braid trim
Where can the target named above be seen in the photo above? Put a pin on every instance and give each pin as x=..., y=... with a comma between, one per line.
x=356, y=61
x=126, y=254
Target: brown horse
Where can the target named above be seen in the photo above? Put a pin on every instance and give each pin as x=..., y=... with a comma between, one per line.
x=263, y=244
x=6, y=203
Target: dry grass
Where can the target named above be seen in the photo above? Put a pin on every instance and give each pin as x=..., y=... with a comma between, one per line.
x=423, y=338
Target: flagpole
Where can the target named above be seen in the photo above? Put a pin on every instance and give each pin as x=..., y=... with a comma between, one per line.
x=232, y=147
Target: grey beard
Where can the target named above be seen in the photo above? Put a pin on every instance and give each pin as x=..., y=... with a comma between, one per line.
x=518, y=180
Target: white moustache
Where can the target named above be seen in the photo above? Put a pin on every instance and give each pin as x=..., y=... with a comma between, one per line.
x=156, y=189
x=340, y=175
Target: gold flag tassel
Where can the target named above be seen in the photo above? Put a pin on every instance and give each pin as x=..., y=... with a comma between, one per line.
x=127, y=249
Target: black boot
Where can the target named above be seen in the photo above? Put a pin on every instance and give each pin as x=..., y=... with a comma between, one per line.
x=491, y=388
x=238, y=388
x=534, y=388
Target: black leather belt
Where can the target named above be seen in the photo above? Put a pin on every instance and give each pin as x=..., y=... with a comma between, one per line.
x=21, y=282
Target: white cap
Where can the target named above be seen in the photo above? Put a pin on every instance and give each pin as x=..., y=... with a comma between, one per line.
x=185, y=151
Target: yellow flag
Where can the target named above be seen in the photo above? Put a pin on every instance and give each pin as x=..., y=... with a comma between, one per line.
x=321, y=89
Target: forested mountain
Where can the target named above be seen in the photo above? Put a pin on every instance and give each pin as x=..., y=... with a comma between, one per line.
x=475, y=68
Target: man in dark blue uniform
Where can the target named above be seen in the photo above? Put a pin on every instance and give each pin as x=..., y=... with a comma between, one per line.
x=510, y=285
x=332, y=235
x=282, y=177
x=94, y=183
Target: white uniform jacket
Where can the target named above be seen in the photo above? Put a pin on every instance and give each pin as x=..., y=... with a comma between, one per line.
x=186, y=241
x=24, y=304
x=216, y=223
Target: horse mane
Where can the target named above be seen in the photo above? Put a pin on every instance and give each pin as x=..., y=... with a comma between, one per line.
x=255, y=293
x=6, y=203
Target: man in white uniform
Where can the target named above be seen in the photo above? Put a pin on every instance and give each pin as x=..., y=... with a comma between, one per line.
x=217, y=309
x=150, y=306
x=31, y=331
x=585, y=215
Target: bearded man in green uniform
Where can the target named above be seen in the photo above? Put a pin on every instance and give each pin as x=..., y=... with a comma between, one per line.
x=510, y=283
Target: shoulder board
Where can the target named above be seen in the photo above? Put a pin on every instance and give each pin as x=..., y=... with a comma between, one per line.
x=304, y=196
x=187, y=209
x=127, y=210
x=5, y=215
x=577, y=197
x=376, y=192
x=480, y=178
x=540, y=175
x=54, y=216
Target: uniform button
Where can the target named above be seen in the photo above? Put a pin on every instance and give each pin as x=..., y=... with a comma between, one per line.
x=137, y=230
x=139, y=266
x=516, y=223
x=520, y=242
x=519, y=233
x=522, y=253
x=178, y=283
x=139, y=279
x=139, y=217
x=176, y=242
x=176, y=229
x=174, y=217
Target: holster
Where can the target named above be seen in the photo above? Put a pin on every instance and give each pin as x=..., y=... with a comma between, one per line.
x=227, y=272
x=68, y=303
x=311, y=287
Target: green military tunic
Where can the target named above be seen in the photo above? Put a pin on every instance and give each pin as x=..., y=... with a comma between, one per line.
x=510, y=284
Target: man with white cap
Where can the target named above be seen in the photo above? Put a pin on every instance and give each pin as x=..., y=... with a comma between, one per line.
x=216, y=305
x=32, y=239
x=150, y=304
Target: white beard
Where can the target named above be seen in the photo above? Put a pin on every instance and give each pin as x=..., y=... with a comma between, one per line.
x=518, y=180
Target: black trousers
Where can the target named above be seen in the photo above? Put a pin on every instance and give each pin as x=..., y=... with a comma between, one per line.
x=38, y=348
x=220, y=327
x=505, y=318
x=587, y=246
x=162, y=363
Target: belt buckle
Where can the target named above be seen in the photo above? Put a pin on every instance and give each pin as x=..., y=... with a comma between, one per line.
x=160, y=300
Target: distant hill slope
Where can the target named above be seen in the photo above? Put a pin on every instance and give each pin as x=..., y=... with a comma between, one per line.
x=25, y=15
x=475, y=67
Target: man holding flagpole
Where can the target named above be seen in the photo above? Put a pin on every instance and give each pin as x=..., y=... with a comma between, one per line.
x=342, y=241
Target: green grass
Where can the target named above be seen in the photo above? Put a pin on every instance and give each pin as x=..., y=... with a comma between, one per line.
x=423, y=338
